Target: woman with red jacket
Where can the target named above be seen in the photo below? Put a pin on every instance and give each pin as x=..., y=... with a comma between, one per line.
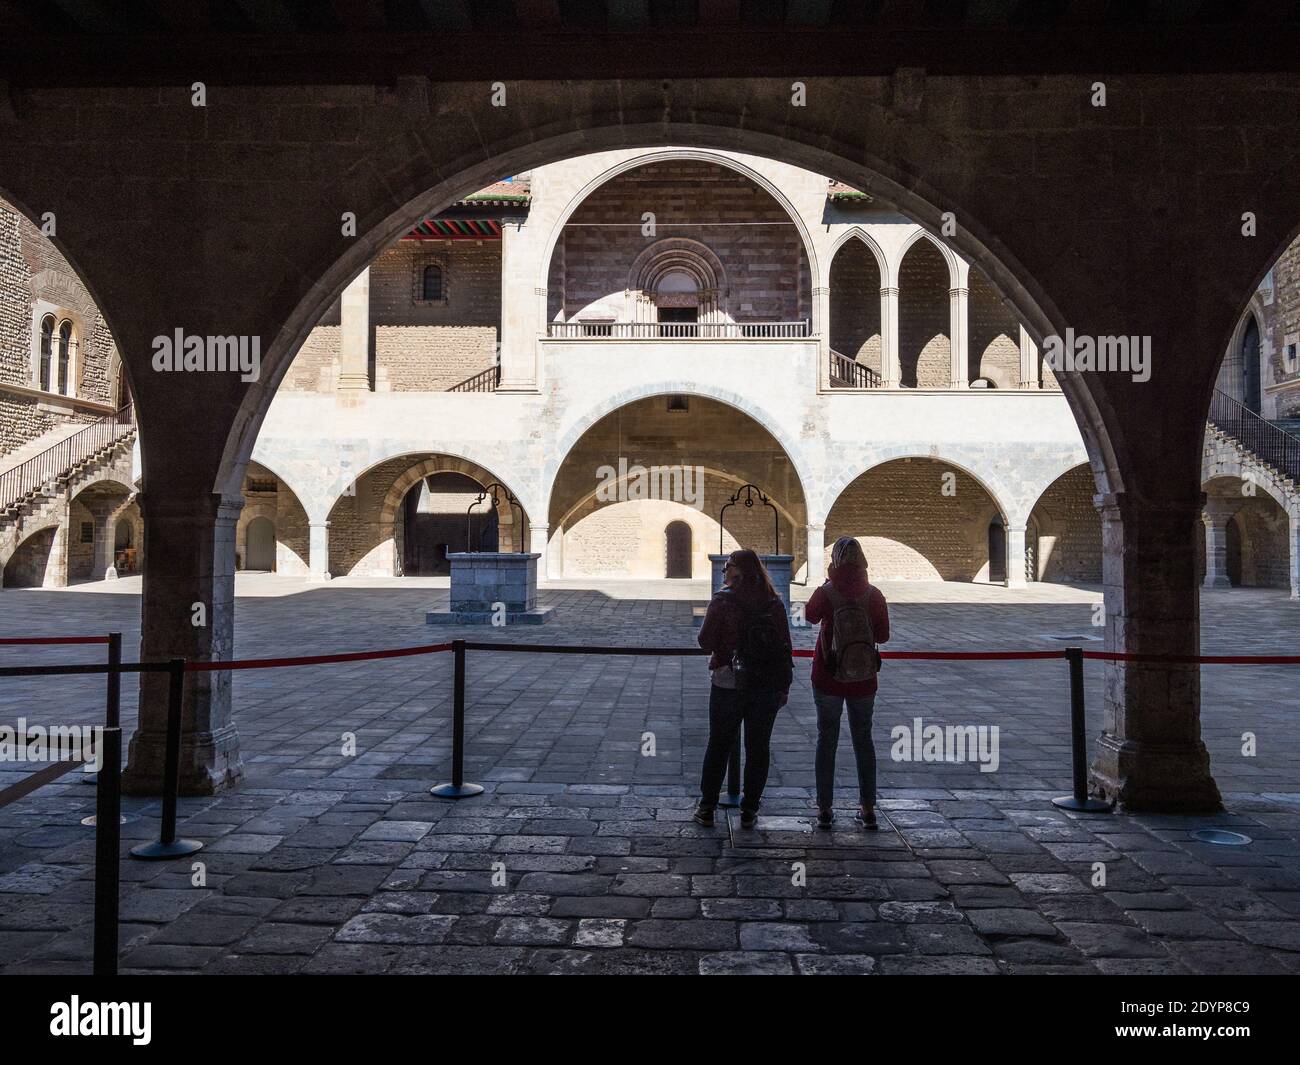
x=846, y=584
x=746, y=620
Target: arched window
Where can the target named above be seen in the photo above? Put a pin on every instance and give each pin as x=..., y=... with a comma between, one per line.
x=677, y=537
x=47, y=352
x=432, y=285
x=65, y=356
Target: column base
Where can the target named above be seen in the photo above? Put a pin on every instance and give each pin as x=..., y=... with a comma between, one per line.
x=209, y=764
x=1154, y=778
x=1216, y=582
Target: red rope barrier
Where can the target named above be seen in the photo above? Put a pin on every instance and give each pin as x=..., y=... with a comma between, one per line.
x=315, y=660
x=1192, y=660
x=27, y=641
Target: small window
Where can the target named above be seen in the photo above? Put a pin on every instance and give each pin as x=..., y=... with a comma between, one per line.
x=47, y=352
x=431, y=287
x=678, y=404
x=65, y=357
x=87, y=532
x=1290, y=356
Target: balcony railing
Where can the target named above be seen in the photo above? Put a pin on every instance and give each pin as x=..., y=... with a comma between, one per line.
x=678, y=330
x=52, y=463
x=1274, y=446
x=486, y=381
x=845, y=373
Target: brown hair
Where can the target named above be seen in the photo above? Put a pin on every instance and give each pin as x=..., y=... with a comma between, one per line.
x=755, y=585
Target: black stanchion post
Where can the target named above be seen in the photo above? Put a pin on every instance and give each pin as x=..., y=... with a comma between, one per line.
x=1079, y=801
x=112, y=719
x=457, y=788
x=108, y=842
x=168, y=846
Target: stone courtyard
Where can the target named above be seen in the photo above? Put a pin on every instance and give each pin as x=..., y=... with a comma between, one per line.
x=581, y=855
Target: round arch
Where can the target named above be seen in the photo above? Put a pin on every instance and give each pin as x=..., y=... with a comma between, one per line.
x=592, y=415
x=893, y=183
x=668, y=155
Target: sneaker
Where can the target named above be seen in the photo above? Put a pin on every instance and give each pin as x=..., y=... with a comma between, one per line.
x=867, y=818
x=748, y=818
x=825, y=817
x=703, y=816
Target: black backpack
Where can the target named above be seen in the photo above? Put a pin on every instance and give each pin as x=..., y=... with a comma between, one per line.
x=761, y=661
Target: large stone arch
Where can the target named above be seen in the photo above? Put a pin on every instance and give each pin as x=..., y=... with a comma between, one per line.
x=589, y=417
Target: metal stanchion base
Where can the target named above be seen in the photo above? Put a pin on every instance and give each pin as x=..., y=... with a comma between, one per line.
x=159, y=851
x=125, y=819
x=1087, y=806
x=456, y=791
x=729, y=801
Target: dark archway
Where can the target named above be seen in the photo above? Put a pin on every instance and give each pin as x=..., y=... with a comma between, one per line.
x=677, y=551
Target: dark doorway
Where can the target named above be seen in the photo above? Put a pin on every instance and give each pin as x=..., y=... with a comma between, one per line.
x=997, y=551
x=1250, y=393
x=1234, y=552
x=259, y=545
x=678, y=542
x=440, y=514
x=679, y=314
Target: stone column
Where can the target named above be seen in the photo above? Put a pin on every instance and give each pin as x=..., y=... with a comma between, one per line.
x=1028, y=360
x=1015, y=541
x=816, y=553
x=959, y=329
x=1216, y=516
x=354, y=335
x=1150, y=756
x=538, y=540
x=555, y=554
x=1295, y=554
x=889, y=368
x=318, y=548
x=56, y=565
x=187, y=611
x=523, y=307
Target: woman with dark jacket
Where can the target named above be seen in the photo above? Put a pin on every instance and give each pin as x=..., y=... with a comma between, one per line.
x=846, y=586
x=748, y=632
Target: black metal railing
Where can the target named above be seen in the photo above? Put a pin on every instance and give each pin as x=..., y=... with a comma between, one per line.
x=54, y=462
x=486, y=381
x=846, y=373
x=1266, y=441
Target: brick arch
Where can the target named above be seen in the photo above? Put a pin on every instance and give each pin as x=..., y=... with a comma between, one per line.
x=1058, y=515
x=107, y=475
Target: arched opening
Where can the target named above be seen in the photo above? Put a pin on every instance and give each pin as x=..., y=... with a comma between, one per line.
x=36, y=563
x=644, y=474
x=677, y=551
x=1247, y=537
x=1250, y=366
x=1063, y=536
x=997, y=551
x=924, y=321
x=921, y=519
x=855, y=330
x=93, y=515
x=702, y=258
x=443, y=513
x=259, y=545
x=993, y=337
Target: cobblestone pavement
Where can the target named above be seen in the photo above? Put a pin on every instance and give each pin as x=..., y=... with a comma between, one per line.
x=581, y=855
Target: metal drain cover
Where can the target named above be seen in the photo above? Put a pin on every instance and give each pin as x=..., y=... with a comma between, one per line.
x=1220, y=836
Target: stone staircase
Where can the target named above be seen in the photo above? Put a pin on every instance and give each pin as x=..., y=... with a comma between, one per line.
x=35, y=479
x=1272, y=445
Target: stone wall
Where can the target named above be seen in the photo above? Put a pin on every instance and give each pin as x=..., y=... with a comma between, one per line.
x=267, y=496
x=1067, y=530
x=1285, y=328
x=1262, y=533
x=749, y=232
x=924, y=352
x=32, y=269
x=909, y=529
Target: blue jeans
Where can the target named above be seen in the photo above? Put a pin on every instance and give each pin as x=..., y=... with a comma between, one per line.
x=829, y=709
x=728, y=710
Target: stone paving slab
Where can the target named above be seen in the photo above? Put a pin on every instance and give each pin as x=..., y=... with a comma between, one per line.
x=580, y=857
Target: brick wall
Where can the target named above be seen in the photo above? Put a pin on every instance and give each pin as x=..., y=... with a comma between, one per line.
x=1067, y=529
x=855, y=304
x=909, y=529
x=1262, y=529
x=766, y=269
x=993, y=337
x=924, y=352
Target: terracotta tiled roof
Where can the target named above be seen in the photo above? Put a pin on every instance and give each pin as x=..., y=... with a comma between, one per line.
x=838, y=192
x=508, y=193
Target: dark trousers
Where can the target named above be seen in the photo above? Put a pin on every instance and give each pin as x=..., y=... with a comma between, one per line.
x=829, y=710
x=728, y=710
